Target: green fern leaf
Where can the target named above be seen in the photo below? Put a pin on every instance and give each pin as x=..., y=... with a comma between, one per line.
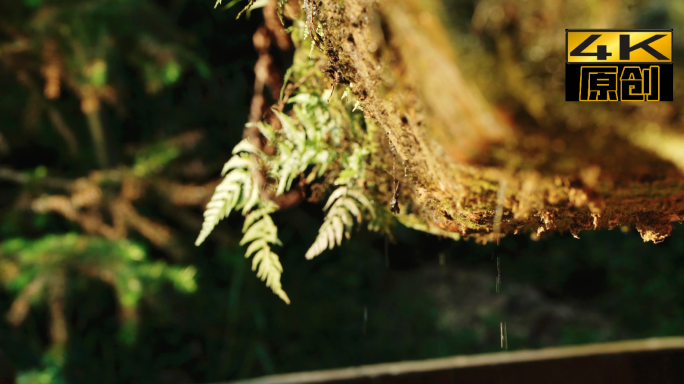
x=334, y=196
x=235, y=162
x=339, y=220
x=226, y=197
x=257, y=214
x=330, y=233
x=245, y=146
x=288, y=73
x=266, y=130
x=245, y=9
x=351, y=206
x=318, y=246
x=255, y=246
x=270, y=270
x=306, y=120
x=262, y=229
x=296, y=136
x=338, y=227
x=253, y=198
x=281, y=5
x=259, y=230
x=361, y=198
x=344, y=215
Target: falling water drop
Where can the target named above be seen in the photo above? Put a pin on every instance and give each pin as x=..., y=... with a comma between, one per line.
x=501, y=195
x=498, y=274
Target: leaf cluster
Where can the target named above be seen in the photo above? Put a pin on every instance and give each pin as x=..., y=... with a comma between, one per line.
x=343, y=204
x=34, y=268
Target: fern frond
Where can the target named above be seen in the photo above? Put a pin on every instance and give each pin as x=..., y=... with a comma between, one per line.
x=259, y=230
x=312, y=138
x=288, y=73
x=281, y=5
x=264, y=129
x=235, y=162
x=237, y=190
x=245, y=9
x=361, y=198
x=252, y=200
x=270, y=271
x=293, y=134
x=245, y=146
x=343, y=203
x=262, y=229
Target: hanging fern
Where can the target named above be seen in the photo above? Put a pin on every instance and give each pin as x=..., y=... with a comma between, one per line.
x=253, y=4
x=281, y=5
x=297, y=151
x=343, y=203
x=245, y=9
x=307, y=143
x=236, y=191
x=239, y=191
x=260, y=231
x=313, y=135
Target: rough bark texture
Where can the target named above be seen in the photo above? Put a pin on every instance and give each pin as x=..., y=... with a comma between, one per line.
x=469, y=99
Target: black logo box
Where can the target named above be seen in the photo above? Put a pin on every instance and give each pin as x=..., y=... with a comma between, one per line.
x=572, y=78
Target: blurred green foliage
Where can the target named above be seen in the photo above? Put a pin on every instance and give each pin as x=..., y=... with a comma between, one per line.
x=137, y=311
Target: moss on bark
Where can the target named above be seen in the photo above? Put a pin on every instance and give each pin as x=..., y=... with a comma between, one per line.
x=461, y=144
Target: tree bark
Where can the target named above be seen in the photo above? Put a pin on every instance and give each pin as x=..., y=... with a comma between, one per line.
x=470, y=104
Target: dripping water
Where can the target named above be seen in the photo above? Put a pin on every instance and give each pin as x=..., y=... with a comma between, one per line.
x=394, y=171
x=500, y=198
x=498, y=274
x=502, y=324
x=394, y=206
x=504, y=335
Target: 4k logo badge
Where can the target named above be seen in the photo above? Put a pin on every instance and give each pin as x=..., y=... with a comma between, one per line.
x=618, y=65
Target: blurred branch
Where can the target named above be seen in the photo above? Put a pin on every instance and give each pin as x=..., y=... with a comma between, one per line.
x=97, y=133
x=58, y=326
x=55, y=117
x=63, y=129
x=21, y=304
x=25, y=178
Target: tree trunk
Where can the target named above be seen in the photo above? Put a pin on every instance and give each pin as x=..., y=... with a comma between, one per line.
x=470, y=102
